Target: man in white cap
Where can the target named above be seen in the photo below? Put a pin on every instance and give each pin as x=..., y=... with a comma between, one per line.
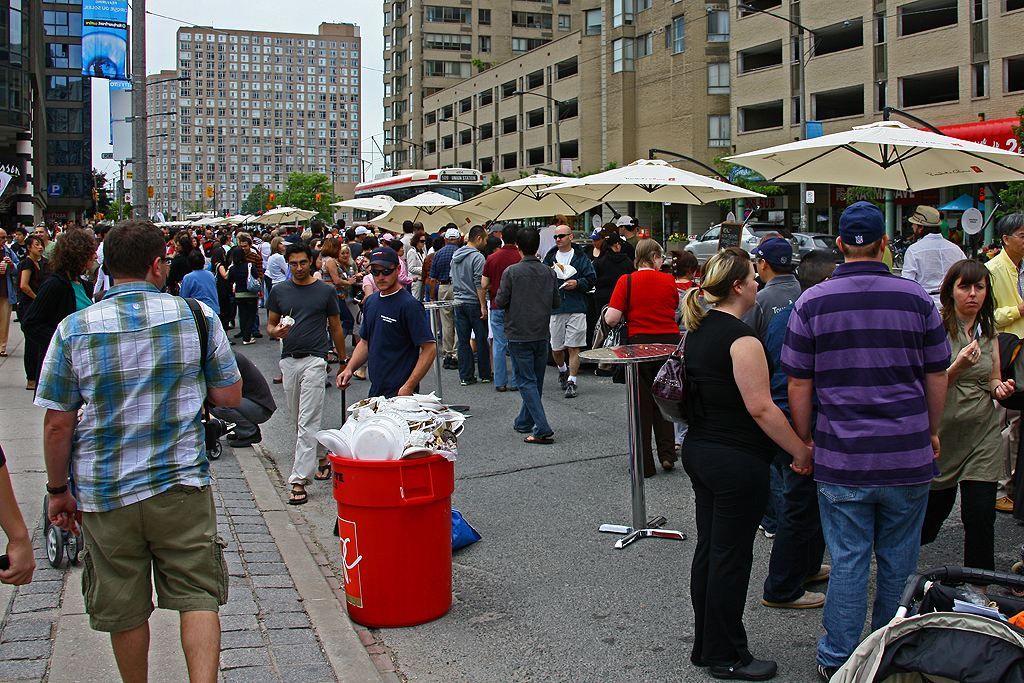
x=929, y=258
x=441, y=270
x=628, y=231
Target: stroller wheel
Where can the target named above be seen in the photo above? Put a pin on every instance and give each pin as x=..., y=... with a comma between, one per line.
x=46, y=515
x=214, y=453
x=55, y=546
x=74, y=548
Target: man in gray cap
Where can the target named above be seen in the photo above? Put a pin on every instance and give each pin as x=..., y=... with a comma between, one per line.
x=441, y=271
x=929, y=258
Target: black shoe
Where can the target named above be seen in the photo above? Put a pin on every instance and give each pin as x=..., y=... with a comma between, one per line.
x=563, y=379
x=239, y=335
x=825, y=673
x=604, y=373
x=757, y=670
x=468, y=381
x=245, y=441
x=570, y=390
x=257, y=335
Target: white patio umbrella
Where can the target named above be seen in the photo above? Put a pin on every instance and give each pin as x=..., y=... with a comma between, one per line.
x=886, y=154
x=523, y=198
x=650, y=180
x=209, y=220
x=284, y=214
x=378, y=203
x=236, y=219
x=432, y=209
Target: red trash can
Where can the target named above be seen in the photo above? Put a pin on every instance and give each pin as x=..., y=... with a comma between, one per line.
x=395, y=524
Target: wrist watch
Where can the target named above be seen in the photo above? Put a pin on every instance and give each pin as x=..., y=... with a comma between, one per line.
x=56, y=491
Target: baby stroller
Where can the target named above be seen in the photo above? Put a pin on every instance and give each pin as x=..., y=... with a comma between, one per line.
x=937, y=644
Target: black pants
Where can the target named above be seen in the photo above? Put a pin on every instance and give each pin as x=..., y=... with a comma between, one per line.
x=248, y=313
x=730, y=490
x=34, y=354
x=799, y=545
x=650, y=417
x=978, y=514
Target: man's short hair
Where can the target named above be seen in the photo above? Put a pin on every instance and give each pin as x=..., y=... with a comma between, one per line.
x=418, y=226
x=350, y=235
x=862, y=250
x=22, y=229
x=815, y=267
x=131, y=247
x=476, y=232
x=528, y=241
x=196, y=260
x=407, y=227
x=298, y=248
x=509, y=232
x=1009, y=224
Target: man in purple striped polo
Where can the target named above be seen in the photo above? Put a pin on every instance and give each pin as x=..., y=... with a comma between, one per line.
x=873, y=347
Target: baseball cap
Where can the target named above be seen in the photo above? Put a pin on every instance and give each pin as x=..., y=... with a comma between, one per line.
x=927, y=216
x=383, y=256
x=612, y=240
x=624, y=220
x=387, y=237
x=598, y=232
x=361, y=230
x=496, y=227
x=451, y=234
x=775, y=250
x=862, y=223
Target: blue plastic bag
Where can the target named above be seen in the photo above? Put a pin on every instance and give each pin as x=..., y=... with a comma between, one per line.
x=462, y=533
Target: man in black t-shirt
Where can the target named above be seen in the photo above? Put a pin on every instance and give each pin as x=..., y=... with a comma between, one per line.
x=395, y=335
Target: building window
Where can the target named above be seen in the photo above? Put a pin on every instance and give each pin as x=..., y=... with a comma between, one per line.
x=1013, y=70
x=622, y=12
x=485, y=43
x=507, y=89
x=760, y=116
x=64, y=88
x=508, y=125
x=718, y=131
x=564, y=22
x=718, y=78
x=527, y=44
x=567, y=68
x=444, y=41
x=644, y=45
x=508, y=161
x=1012, y=5
x=641, y=5
x=62, y=23
x=593, y=22
x=926, y=15
x=486, y=131
x=447, y=15
x=622, y=55
x=447, y=142
x=718, y=25
x=569, y=109
x=838, y=37
x=979, y=78
x=760, y=5
x=434, y=67
x=881, y=95
x=678, y=34
x=933, y=88
x=761, y=57
x=487, y=165
x=535, y=118
x=834, y=104
x=531, y=20
x=535, y=156
x=465, y=105
x=430, y=118
x=59, y=120
x=534, y=79
x=485, y=98
x=483, y=17
x=61, y=56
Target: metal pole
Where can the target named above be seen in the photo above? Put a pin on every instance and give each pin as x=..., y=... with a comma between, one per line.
x=455, y=141
x=803, y=124
x=636, y=457
x=140, y=158
x=890, y=213
x=558, y=137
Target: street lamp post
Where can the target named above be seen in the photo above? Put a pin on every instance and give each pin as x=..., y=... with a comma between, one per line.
x=140, y=148
x=803, y=93
x=558, y=115
x=463, y=123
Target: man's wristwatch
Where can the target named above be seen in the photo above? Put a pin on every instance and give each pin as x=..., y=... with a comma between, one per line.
x=56, y=491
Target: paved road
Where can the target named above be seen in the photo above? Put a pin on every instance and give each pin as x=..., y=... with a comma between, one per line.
x=544, y=596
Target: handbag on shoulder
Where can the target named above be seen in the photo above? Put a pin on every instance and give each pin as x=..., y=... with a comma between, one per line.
x=669, y=386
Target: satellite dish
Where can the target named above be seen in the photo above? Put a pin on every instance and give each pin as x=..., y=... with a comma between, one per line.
x=971, y=221
x=595, y=220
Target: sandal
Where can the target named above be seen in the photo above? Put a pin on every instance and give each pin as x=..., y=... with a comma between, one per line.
x=541, y=440
x=298, y=497
x=325, y=471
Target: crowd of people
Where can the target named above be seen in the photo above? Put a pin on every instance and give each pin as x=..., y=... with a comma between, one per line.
x=842, y=407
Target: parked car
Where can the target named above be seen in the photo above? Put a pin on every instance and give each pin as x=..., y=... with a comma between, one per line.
x=705, y=246
x=809, y=241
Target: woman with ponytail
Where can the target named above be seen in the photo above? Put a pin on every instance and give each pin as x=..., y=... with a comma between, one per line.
x=734, y=429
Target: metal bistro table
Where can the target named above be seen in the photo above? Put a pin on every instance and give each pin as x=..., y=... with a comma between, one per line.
x=435, y=322
x=631, y=356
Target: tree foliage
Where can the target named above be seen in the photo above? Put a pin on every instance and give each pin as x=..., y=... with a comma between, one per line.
x=256, y=201
x=99, y=183
x=1013, y=194
x=300, y=191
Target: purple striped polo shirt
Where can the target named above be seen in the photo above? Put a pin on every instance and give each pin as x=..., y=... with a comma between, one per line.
x=867, y=338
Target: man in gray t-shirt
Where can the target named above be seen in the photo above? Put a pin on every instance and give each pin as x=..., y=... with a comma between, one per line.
x=299, y=312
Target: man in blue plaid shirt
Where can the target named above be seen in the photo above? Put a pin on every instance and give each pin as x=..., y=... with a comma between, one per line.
x=132, y=364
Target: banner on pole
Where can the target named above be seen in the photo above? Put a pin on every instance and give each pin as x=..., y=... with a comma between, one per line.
x=105, y=39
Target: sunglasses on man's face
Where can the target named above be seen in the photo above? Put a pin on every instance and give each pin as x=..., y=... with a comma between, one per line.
x=559, y=236
x=379, y=272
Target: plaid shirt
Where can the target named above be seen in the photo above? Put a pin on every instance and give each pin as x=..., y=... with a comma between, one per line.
x=132, y=361
x=441, y=266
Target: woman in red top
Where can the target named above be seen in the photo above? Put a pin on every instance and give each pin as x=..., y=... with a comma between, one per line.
x=651, y=316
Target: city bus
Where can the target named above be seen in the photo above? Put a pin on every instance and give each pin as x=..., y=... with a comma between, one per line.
x=458, y=183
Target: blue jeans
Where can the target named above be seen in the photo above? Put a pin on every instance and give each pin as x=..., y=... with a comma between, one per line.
x=467, y=317
x=855, y=520
x=530, y=360
x=503, y=372
x=770, y=519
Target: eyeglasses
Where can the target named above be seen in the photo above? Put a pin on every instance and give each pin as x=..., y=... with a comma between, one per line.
x=384, y=271
x=167, y=261
x=559, y=236
x=298, y=264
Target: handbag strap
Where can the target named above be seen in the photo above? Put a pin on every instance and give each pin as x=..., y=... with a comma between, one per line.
x=629, y=289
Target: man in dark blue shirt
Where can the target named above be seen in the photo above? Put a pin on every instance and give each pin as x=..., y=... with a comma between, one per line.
x=394, y=325
x=441, y=271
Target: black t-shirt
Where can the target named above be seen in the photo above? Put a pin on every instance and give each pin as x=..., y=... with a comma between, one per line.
x=254, y=384
x=310, y=305
x=394, y=326
x=717, y=412
x=34, y=282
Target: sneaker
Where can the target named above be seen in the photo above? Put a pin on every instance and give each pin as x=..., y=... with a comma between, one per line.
x=246, y=343
x=808, y=600
x=1004, y=504
x=468, y=381
x=825, y=673
x=767, y=534
x=570, y=390
x=486, y=380
x=563, y=379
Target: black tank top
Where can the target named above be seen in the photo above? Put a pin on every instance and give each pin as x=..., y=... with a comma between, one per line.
x=717, y=412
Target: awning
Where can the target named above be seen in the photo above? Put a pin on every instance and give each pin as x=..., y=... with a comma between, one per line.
x=961, y=203
x=997, y=133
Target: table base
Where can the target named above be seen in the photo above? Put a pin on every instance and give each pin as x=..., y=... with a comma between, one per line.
x=653, y=530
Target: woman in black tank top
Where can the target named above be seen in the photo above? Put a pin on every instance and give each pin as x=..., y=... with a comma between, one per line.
x=734, y=429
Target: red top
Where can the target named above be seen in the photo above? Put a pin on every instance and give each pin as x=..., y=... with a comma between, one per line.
x=652, y=302
x=496, y=265
x=683, y=286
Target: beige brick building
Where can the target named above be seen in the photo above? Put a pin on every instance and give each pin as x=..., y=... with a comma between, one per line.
x=947, y=62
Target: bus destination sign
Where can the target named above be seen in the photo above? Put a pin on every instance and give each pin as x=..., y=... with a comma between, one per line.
x=457, y=177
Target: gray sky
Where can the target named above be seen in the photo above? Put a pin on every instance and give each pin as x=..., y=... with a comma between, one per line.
x=298, y=16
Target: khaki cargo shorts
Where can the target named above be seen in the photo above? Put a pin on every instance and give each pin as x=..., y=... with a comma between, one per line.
x=171, y=537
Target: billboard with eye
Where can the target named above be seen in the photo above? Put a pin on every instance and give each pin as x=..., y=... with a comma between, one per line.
x=105, y=39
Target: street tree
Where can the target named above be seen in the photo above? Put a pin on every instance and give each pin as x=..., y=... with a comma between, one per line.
x=257, y=200
x=301, y=189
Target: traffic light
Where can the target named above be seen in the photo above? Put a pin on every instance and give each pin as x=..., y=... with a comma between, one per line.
x=981, y=194
x=209, y=191
x=95, y=195
x=271, y=197
x=317, y=197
